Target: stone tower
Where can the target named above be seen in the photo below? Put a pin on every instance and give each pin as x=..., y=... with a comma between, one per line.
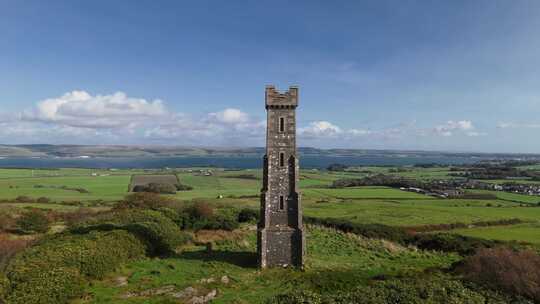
x=280, y=238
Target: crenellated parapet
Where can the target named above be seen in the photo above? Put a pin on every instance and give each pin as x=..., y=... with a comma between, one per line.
x=278, y=100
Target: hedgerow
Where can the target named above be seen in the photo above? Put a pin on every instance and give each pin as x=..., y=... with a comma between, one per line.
x=446, y=242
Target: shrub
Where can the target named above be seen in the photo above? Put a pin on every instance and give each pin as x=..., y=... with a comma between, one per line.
x=375, y=231
x=53, y=286
x=201, y=215
x=224, y=220
x=458, y=225
x=160, y=233
x=4, y=287
x=248, y=215
x=201, y=210
x=516, y=272
x=156, y=188
x=182, y=187
x=43, y=200
x=429, y=290
x=24, y=199
x=144, y=200
x=33, y=221
x=53, y=270
x=77, y=216
x=337, y=167
x=447, y=242
x=297, y=297
x=437, y=241
x=7, y=222
x=9, y=247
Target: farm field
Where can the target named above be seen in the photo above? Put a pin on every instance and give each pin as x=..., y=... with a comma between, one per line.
x=524, y=232
x=420, y=212
x=335, y=260
x=515, y=197
x=241, y=188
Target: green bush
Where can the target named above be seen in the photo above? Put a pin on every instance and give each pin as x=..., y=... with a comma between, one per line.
x=182, y=187
x=53, y=271
x=515, y=272
x=160, y=233
x=248, y=215
x=4, y=287
x=203, y=216
x=431, y=290
x=144, y=200
x=51, y=286
x=43, y=200
x=156, y=188
x=446, y=242
x=33, y=221
x=298, y=297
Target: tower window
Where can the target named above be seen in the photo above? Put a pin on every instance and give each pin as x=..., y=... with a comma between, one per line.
x=281, y=159
x=281, y=202
x=282, y=124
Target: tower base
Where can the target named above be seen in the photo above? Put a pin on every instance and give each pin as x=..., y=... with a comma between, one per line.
x=281, y=247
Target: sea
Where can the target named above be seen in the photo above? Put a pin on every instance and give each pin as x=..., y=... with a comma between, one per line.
x=248, y=162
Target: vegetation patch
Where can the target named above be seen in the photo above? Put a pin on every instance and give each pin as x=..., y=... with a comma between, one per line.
x=165, y=184
x=515, y=272
x=438, y=241
x=53, y=271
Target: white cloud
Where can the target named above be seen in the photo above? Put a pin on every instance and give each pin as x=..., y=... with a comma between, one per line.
x=450, y=126
x=79, y=117
x=80, y=109
x=319, y=129
x=230, y=126
x=475, y=134
x=229, y=116
x=510, y=125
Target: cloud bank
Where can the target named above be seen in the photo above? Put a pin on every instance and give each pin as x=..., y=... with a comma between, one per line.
x=79, y=117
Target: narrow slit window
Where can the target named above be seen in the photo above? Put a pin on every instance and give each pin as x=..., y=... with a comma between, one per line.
x=282, y=124
x=281, y=202
x=281, y=159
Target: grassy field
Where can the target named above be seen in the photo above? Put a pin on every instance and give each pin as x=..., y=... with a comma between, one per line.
x=420, y=212
x=526, y=232
x=515, y=197
x=335, y=261
x=241, y=188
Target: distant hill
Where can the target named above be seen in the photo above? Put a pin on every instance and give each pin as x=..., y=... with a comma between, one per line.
x=172, y=151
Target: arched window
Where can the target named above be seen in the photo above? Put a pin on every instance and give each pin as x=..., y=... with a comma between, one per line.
x=281, y=159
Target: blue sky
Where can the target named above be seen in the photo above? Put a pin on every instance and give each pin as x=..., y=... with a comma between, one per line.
x=430, y=75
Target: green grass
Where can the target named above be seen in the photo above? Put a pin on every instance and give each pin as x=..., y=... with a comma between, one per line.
x=335, y=261
x=420, y=212
x=525, y=232
x=516, y=197
x=364, y=193
x=101, y=187
x=360, y=204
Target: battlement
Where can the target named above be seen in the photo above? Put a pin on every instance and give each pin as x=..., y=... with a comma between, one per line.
x=276, y=99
